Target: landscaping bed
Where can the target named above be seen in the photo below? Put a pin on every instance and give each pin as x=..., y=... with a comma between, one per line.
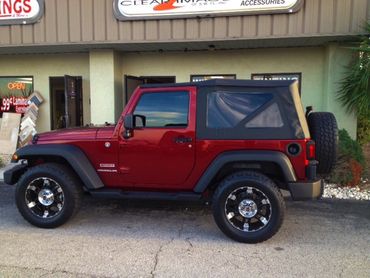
x=354, y=193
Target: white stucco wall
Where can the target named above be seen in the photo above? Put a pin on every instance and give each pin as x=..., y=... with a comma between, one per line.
x=103, y=72
x=310, y=61
x=41, y=67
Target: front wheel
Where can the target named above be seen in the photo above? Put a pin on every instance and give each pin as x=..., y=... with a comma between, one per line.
x=47, y=195
x=248, y=207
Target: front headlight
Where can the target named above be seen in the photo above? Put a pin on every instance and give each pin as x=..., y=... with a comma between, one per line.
x=15, y=157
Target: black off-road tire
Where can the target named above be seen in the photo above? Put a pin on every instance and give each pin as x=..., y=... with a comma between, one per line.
x=324, y=131
x=236, y=183
x=65, y=179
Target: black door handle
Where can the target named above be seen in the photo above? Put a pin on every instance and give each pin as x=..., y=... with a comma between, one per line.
x=183, y=140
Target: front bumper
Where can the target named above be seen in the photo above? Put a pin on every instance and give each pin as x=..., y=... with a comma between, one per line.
x=12, y=175
x=306, y=190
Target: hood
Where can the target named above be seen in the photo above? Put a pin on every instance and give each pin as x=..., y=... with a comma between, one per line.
x=69, y=134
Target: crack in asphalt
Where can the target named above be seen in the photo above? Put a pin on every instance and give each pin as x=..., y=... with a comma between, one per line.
x=232, y=264
x=240, y=256
x=156, y=257
x=55, y=272
x=51, y=272
x=188, y=240
x=160, y=249
x=342, y=271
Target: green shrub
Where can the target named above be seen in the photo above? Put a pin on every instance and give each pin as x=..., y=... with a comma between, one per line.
x=351, y=161
x=350, y=148
x=1, y=163
x=363, y=130
x=354, y=93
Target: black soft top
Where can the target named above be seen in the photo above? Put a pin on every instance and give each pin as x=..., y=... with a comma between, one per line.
x=284, y=104
x=226, y=82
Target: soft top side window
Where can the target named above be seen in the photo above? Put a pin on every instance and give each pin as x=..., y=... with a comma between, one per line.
x=227, y=110
x=270, y=117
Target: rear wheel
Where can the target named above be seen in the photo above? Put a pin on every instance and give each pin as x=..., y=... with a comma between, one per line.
x=324, y=131
x=248, y=207
x=47, y=195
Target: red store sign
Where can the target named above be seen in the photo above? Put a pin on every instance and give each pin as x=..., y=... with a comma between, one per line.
x=20, y=11
x=18, y=104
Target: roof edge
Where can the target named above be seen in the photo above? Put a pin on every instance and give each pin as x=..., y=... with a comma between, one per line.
x=225, y=82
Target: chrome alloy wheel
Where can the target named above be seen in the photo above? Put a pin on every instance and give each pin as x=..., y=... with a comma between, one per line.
x=44, y=197
x=248, y=209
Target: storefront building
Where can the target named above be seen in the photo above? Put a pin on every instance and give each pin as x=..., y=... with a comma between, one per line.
x=85, y=57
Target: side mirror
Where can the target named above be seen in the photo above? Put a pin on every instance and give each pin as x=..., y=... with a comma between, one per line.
x=128, y=122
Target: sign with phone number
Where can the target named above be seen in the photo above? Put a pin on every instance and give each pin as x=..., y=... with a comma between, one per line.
x=14, y=104
x=14, y=91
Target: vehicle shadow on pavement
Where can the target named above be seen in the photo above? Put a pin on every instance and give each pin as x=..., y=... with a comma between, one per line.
x=164, y=217
x=305, y=222
x=111, y=238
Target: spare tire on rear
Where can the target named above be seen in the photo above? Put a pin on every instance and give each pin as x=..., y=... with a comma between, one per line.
x=324, y=131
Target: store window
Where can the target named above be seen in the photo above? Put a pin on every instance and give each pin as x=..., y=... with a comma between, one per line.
x=168, y=109
x=204, y=77
x=279, y=76
x=14, y=91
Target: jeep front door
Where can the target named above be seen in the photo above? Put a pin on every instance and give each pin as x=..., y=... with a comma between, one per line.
x=161, y=151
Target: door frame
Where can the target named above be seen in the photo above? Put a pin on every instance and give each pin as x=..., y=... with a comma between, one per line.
x=142, y=78
x=51, y=97
x=126, y=76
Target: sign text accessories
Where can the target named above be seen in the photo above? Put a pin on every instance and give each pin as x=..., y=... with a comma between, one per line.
x=155, y=9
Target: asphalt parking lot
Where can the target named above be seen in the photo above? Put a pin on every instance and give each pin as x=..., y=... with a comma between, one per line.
x=155, y=239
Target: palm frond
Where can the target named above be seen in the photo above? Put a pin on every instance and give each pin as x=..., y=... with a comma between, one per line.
x=355, y=86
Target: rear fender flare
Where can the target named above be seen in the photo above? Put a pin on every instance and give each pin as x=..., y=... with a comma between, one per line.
x=245, y=156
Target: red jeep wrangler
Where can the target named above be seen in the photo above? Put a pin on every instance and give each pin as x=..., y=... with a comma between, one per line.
x=234, y=143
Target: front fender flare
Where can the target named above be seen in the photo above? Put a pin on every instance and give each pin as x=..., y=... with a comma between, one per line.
x=72, y=154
